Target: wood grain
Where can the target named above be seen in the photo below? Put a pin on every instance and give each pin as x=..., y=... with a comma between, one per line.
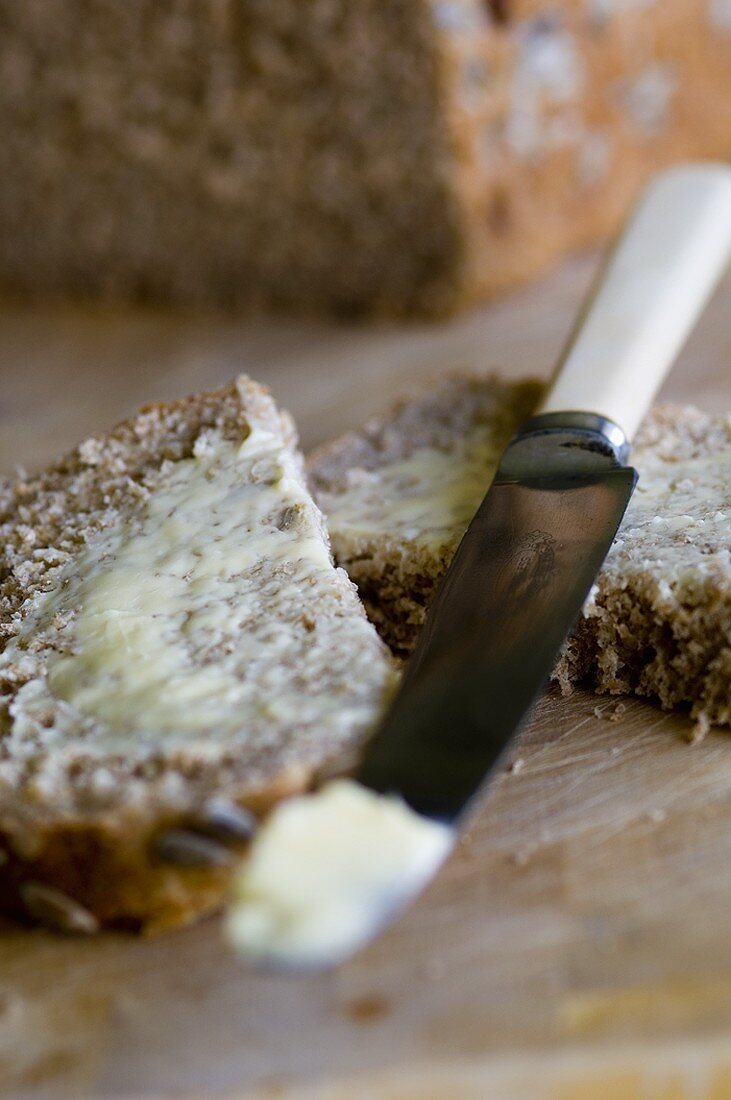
x=577, y=943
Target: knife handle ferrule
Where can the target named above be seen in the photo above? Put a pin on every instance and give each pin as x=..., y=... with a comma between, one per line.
x=563, y=443
x=598, y=431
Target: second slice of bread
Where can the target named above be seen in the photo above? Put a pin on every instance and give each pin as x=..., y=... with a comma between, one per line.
x=399, y=493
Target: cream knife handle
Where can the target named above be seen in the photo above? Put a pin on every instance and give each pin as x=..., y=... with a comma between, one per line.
x=652, y=290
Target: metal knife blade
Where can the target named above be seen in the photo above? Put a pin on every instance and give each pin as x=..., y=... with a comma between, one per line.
x=510, y=596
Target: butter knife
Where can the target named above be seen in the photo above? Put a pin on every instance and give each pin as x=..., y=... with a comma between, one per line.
x=328, y=870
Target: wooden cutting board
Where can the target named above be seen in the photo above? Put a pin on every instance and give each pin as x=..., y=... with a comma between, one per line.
x=577, y=945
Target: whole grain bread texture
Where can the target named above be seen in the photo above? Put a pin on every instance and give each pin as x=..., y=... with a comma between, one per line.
x=177, y=653
x=399, y=493
x=394, y=156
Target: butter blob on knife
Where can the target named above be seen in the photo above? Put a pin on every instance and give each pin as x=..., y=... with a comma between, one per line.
x=326, y=870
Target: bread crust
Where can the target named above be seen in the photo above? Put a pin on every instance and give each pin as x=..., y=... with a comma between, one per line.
x=112, y=870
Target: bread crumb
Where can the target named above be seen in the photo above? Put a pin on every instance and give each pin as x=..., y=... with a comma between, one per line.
x=699, y=731
x=610, y=715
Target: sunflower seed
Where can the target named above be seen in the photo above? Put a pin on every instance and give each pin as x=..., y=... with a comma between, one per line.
x=292, y=518
x=57, y=910
x=186, y=848
x=225, y=822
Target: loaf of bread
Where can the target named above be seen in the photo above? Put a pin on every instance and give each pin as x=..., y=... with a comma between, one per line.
x=379, y=155
x=177, y=652
x=399, y=494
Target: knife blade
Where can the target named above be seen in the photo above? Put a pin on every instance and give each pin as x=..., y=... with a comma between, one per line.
x=330, y=869
x=515, y=586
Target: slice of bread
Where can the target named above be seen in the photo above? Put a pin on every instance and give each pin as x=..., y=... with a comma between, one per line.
x=178, y=652
x=399, y=493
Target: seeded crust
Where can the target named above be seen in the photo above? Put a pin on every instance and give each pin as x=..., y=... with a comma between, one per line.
x=93, y=826
x=658, y=622
x=394, y=156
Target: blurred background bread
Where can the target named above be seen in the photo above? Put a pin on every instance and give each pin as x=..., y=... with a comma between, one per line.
x=393, y=156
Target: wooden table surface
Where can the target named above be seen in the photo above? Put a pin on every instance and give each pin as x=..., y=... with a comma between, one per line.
x=576, y=946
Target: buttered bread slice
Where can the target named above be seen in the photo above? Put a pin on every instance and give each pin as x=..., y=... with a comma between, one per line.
x=178, y=652
x=399, y=494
